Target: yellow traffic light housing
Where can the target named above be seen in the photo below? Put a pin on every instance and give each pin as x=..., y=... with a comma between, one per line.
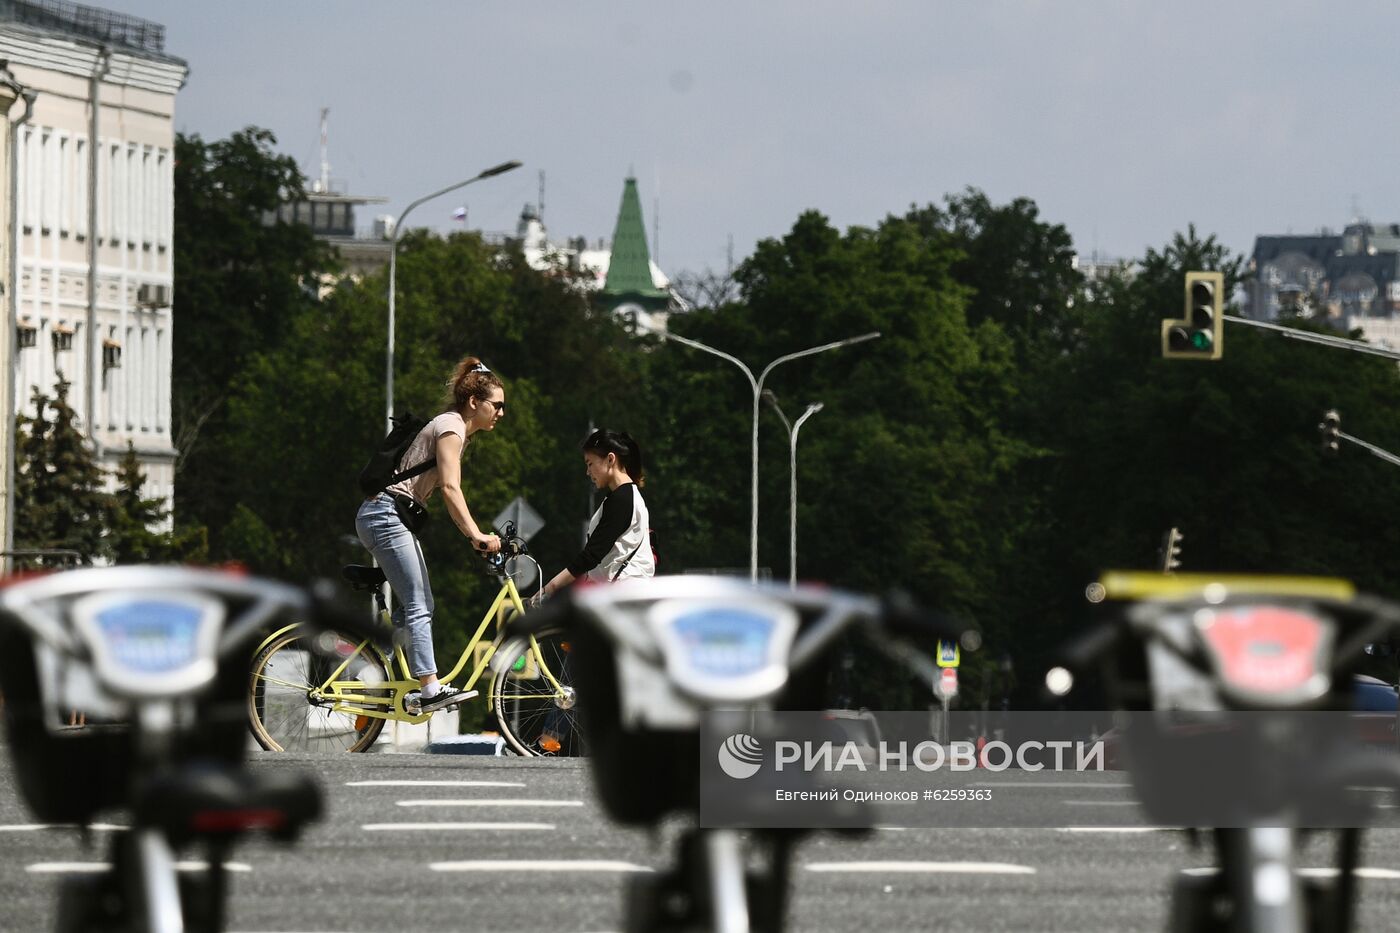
x=1200, y=334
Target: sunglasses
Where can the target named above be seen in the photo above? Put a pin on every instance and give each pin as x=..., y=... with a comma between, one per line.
x=499, y=406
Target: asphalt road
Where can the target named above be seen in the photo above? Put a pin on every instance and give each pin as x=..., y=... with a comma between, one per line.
x=540, y=856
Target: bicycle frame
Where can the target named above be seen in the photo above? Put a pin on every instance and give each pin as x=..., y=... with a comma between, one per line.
x=343, y=695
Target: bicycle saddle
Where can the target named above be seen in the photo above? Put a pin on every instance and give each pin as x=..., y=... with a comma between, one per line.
x=362, y=577
x=205, y=800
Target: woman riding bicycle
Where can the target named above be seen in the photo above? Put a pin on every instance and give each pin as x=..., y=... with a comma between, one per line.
x=475, y=402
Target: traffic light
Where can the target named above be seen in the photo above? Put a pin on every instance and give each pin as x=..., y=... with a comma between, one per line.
x=1200, y=334
x=1171, y=550
x=1331, y=430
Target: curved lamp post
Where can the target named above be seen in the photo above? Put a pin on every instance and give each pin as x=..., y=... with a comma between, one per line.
x=393, y=264
x=792, y=430
x=757, y=385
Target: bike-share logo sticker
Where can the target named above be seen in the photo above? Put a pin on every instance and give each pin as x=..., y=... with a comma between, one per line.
x=740, y=756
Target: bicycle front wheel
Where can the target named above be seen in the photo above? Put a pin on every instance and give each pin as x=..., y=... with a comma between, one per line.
x=534, y=699
x=283, y=713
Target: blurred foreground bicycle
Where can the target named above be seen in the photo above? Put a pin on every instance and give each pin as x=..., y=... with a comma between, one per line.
x=653, y=658
x=155, y=657
x=1245, y=669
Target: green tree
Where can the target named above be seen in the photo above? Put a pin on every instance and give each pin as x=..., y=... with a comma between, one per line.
x=1020, y=269
x=242, y=282
x=59, y=499
x=133, y=537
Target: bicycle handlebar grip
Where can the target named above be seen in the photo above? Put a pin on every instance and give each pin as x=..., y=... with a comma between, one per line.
x=904, y=617
x=331, y=610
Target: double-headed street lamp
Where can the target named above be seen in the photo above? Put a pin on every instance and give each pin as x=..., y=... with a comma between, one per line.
x=393, y=264
x=757, y=385
x=792, y=430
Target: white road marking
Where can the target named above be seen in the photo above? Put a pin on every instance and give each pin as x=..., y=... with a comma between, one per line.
x=463, y=827
x=33, y=827
x=1376, y=874
x=1043, y=784
x=1112, y=829
x=981, y=868
x=1099, y=803
x=498, y=802
x=433, y=784
x=92, y=867
x=539, y=865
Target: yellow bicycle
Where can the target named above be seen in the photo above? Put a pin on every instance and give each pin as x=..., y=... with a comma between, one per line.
x=338, y=694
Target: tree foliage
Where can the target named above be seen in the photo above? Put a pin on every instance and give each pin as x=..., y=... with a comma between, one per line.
x=59, y=500
x=62, y=505
x=242, y=283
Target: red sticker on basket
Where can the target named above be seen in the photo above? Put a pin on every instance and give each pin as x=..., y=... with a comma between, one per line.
x=1265, y=649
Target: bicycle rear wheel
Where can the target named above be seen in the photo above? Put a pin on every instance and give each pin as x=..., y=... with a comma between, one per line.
x=281, y=711
x=535, y=716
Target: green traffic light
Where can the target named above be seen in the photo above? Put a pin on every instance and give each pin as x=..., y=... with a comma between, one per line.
x=1201, y=340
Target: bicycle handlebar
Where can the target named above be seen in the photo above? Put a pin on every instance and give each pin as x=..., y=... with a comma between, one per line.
x=1371, y=619
x=835, y=610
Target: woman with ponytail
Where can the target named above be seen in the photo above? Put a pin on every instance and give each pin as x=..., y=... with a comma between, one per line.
x=475, y=402
x=619, y=535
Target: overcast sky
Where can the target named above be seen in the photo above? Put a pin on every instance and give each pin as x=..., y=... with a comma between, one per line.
x=1125, y=120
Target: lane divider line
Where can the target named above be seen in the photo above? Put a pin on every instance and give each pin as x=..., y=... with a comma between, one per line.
x=598, y=865
x=1376, y=874
x=455, y=827
x=34, y=827
x=40, y=868
x=972, y=868
x=1045, y=784
x=433, y=784
x=490, y=803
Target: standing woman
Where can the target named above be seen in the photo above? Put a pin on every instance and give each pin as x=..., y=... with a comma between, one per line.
x=619, y=534
x=475, y=402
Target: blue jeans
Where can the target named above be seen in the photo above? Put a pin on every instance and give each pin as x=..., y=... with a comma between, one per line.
x=397, y=552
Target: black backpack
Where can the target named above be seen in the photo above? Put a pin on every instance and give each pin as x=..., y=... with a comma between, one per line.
x=382, y=470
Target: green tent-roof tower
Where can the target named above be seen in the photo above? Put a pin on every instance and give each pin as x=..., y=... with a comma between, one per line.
x=629, y=279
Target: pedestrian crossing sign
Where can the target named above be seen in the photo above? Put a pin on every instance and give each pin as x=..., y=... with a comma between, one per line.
x=949, y=654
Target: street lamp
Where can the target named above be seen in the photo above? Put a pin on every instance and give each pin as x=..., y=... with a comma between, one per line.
x=393, y=264
x=10, y=91
x=757, y=385
x=792, y=430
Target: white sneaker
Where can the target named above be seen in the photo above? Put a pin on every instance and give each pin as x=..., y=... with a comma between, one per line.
x=445, y=697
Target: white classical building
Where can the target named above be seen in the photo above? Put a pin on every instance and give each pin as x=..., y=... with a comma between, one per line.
x=94, y=262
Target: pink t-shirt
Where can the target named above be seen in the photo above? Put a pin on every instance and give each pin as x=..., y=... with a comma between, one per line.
x=423, y=447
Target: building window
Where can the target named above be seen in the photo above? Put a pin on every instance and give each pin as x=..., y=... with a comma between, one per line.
x=62, y=338
x=80, y=188
x=26, y=334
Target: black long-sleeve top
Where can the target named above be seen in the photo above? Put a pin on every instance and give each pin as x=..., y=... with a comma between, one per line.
x=619, y=539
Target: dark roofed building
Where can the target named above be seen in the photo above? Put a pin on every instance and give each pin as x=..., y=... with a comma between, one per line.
x=1344, y=279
